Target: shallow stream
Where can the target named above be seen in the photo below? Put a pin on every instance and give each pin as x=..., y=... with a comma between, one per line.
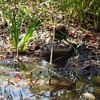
x=32, y=80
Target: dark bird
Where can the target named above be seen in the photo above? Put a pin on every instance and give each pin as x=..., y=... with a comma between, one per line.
x=61, y=32
x=60, y=56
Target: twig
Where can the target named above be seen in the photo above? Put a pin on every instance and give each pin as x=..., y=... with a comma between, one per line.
x=52, y=44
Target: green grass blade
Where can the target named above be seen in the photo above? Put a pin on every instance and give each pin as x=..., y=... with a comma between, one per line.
x=30, y=30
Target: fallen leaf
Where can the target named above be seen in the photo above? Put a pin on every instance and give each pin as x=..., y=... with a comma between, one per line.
x=89, y=96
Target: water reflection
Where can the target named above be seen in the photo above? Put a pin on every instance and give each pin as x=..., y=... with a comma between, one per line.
x=61, y=88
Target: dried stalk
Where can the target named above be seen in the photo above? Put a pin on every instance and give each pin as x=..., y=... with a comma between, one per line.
x=52, y=45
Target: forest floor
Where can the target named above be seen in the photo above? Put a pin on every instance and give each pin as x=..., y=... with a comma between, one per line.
x=89, y=54
x=88, y=61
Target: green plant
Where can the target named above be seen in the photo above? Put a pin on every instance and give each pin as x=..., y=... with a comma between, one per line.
x=77, y=10
x=16, y=18
x=15, y=25
x=33, y=26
